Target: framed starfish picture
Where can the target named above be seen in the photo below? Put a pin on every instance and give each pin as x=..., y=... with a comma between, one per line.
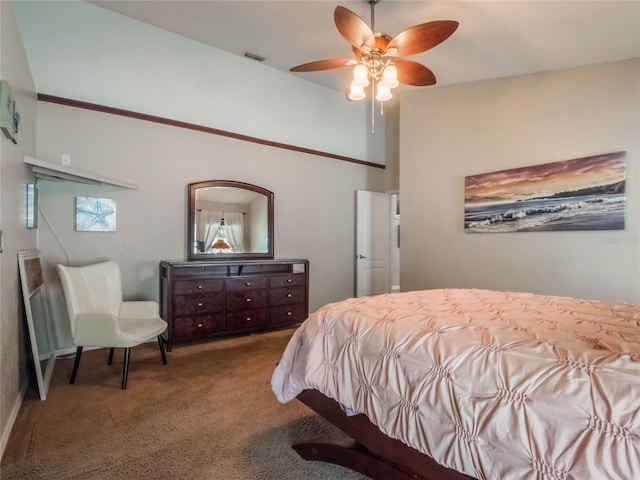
x=95, y=214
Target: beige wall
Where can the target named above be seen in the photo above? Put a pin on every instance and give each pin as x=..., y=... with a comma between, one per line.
x=183, y=79
x=15, y=368
x=314, y=199
x=448, y=133
x=314, y=196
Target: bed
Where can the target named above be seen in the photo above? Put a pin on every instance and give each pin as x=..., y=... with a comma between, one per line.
x=467, y=383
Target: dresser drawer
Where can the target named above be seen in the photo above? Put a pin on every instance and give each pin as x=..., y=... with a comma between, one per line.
x=295, y=313
x=194, y=269
x=285, y=296
x=247, y=319
x=212, y=285
x=289, y=280
x=194, y=326
x=245, y=300
x=197, y=304
x=246, y=283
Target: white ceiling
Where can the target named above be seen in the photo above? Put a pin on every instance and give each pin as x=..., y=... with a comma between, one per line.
x=495, y=38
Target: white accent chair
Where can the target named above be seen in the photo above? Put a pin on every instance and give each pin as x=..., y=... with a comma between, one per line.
x=98, y=316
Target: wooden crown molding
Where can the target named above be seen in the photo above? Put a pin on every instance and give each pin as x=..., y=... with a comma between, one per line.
x=199, y=128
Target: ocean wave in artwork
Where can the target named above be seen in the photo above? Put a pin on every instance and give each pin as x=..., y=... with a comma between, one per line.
x=595, y=212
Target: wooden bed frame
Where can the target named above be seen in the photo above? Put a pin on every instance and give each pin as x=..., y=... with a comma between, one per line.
x=370, y=451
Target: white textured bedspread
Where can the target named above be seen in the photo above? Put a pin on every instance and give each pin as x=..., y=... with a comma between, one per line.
x=496, y=385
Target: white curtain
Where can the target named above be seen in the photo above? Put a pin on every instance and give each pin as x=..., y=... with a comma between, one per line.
x=211, y=221
x=234, y=223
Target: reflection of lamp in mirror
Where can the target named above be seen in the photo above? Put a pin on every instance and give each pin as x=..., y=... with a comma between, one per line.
x=220, y=244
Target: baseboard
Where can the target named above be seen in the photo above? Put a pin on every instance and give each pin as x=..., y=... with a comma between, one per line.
x=6, y=433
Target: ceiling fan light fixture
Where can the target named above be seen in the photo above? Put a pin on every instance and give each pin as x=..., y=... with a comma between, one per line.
x=379, y=58
x=390, y=77
x=383, y=93
x=356, y=92
x=360, y=76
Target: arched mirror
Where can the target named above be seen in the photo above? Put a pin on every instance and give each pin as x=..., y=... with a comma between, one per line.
x=229, y=220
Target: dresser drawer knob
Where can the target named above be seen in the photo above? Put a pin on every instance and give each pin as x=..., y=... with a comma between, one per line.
x=288, y=280
x=199, y=304
x=248, y=319
x=248, y=284
x=288, y=295
x=289, y=313
x=199, y=287
x=248, y=300
x=199, y=325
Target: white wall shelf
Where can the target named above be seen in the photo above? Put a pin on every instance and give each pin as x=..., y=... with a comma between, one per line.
x=59, y=173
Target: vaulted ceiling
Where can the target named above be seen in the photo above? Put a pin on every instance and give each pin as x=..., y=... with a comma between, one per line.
x=495, y=38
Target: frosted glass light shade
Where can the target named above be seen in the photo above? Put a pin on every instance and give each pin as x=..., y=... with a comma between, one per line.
x=360, y=76
x=390, y=77
x=383, y=93
x=356, y=92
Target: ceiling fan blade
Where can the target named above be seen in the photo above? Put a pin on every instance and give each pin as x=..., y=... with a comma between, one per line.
x=353, y=28
x=420, y=38
x=321, y=65
x=414, y=73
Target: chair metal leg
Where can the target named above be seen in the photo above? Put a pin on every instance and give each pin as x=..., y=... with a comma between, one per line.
x=74, y=372
x=111, y=355
x=125, y=368
x=162, y=352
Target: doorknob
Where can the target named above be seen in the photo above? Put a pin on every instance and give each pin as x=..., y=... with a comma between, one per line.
x=361, y=256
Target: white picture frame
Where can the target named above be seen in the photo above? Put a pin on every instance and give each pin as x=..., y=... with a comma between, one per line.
x=95, y=214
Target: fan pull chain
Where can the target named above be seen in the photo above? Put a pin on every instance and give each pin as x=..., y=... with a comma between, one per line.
x=373, y=109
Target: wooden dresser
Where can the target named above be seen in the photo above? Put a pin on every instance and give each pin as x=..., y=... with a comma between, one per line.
x=211, y=299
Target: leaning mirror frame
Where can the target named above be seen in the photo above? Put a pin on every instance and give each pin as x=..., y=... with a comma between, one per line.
x=221, y=254
x=38, y=321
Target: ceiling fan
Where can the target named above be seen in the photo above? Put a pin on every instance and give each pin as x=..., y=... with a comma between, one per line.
x=379, y=58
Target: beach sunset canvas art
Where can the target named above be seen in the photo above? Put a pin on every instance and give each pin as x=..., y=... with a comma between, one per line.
x=580, y=194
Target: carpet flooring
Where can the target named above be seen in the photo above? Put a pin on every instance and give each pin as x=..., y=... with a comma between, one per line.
x=207, y=415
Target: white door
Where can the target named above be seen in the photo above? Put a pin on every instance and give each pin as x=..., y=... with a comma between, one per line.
x=372, y=243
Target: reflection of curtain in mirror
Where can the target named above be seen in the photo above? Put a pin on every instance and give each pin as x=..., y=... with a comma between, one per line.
x=210, y=221
x=234, y=223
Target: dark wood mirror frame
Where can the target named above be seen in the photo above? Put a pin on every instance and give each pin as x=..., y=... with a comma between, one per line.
x=193, y=254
